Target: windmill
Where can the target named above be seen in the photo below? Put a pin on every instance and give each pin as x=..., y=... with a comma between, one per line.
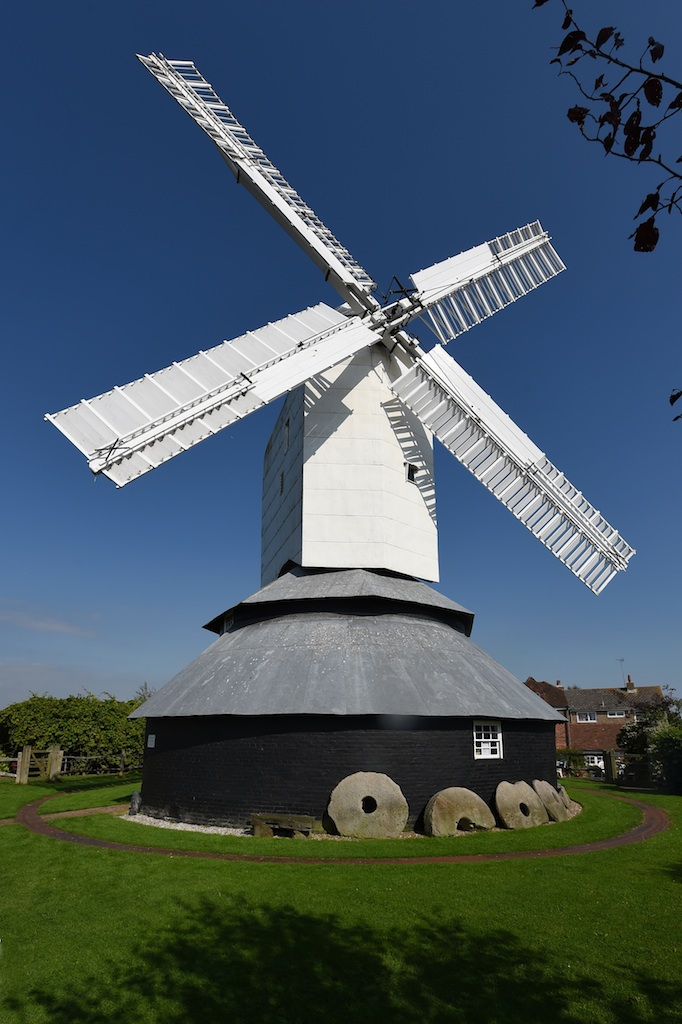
x=344, y=660
x=130, y=430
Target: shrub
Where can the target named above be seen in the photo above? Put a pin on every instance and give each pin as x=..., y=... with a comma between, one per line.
x=83, y=726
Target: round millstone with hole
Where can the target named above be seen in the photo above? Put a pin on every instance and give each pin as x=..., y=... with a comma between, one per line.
x=456, y=810
x=519, y=806
x=368, y=805
x=552, y=801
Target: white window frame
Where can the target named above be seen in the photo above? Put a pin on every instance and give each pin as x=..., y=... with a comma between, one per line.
x=586, y=716
x=487, y=739
x=615, y=714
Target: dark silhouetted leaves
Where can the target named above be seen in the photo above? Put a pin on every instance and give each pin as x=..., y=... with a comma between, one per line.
x=631, y=143
x=603, y=35
x=617, y=123
x=652, y=202
x=646, y=236
x=674, y=395
x=647, y=140
x=609, y=117
x=653, y=90
x=632, y=123
x=572, y=41
x=577, y=115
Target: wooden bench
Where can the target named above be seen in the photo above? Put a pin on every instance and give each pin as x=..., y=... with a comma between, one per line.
x=291, y=826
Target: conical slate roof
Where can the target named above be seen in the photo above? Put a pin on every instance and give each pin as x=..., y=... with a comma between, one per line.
x=350, y=642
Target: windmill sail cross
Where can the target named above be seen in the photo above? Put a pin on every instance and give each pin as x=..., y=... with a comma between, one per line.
x=131, y=429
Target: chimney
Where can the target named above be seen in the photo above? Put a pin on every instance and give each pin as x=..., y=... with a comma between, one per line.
x=631, y=688
x=560, y=684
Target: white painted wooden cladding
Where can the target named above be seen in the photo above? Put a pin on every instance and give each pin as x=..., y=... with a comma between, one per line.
x=253, y=169
x=485, y=440
x=359, y=508
x=281, y=529
x=128, y=431
x=462, y=291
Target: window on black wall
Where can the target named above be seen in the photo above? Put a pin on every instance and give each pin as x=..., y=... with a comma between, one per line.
x=487, y=739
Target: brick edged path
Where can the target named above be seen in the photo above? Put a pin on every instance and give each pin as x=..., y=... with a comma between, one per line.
x=654, y=820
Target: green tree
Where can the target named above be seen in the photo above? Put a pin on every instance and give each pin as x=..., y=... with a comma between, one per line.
x=83, y=726
x=654, y=743
x=573, y=758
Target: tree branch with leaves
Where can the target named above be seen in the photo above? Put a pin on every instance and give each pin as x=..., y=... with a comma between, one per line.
x=627, y=107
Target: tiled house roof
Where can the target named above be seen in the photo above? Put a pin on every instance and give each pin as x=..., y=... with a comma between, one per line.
x=613, y=699
x=554, y=695
x=600, y=704
x=597, y=735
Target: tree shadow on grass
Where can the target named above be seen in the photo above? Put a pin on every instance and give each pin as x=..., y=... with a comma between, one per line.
x=674, y=871
x=257, y=963
x=83, y=783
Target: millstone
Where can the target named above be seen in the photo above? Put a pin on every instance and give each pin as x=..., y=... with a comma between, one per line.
x=552, y=801
x=368, y=805
x=519, y=806
x=565, y=798
x=456, y=809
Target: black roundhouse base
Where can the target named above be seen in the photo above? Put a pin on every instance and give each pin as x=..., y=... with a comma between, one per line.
x=223, y=769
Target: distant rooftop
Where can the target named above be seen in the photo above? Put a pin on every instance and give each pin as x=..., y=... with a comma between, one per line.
x=609, y=698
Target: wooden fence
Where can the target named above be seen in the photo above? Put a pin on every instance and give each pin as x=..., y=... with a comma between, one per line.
x=41, y=764
x=50, y=764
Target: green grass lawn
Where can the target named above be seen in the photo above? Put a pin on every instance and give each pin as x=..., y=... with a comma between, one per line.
x=93, y=936
x=599, y=820
x=68, y=793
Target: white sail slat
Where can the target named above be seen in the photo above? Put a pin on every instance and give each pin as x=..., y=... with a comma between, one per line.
x=252, y=168
x=462, y=291
x=130, y=430
x=485, y=440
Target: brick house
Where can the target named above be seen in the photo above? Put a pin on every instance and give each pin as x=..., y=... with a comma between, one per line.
x=593, y=718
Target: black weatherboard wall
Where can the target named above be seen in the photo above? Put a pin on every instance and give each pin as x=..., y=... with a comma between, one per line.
x=223, y=769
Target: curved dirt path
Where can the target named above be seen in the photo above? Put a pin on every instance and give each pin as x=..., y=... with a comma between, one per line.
x=654, y=820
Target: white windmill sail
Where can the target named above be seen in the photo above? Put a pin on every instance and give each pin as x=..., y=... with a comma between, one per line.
x=462, y=291
x=251, y=167
x=129, y=430
x=498, y=453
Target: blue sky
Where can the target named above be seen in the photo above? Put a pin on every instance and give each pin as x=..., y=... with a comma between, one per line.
x=414, y=131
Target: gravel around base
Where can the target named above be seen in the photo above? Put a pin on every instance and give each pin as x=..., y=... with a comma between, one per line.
x=183, y=826
x=219, y=830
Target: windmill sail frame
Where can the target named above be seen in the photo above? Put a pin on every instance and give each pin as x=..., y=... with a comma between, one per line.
x=134, y=428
